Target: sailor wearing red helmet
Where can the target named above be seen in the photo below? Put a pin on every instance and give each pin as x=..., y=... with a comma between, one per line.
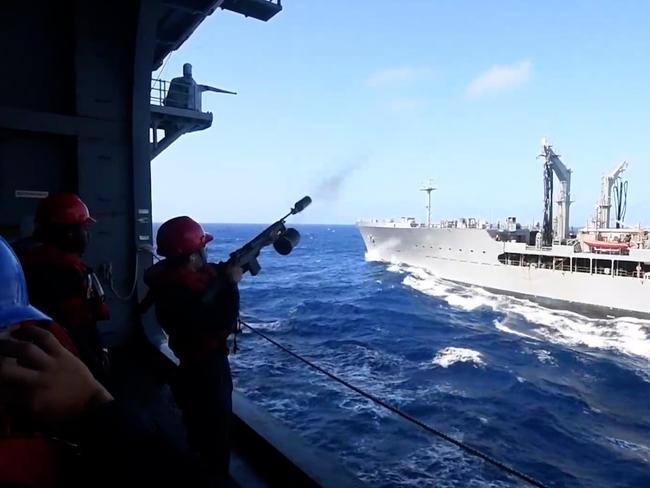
x=60, y=283
x=59, y=427
x=198, y=321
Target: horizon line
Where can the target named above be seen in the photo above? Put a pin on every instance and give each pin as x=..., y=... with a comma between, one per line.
x=258, y=223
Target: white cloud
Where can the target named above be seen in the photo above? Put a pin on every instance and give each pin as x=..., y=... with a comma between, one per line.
x=500, y=77
x=400, y=75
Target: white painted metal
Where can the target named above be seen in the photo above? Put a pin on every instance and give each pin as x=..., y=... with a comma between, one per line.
x=470, y=256
x=604, y=207
x=428, y=188
x=564, y=201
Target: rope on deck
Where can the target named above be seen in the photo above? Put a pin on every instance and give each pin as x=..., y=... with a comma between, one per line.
x=465, y=447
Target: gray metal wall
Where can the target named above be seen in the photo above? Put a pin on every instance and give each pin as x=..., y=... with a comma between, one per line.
x=74, y=115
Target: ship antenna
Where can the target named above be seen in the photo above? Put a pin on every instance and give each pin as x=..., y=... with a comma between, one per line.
x=428, y=188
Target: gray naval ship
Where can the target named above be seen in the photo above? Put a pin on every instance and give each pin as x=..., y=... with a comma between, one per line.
x=603, y=269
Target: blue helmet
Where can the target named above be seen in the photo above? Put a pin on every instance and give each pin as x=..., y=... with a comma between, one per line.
x=14, y=303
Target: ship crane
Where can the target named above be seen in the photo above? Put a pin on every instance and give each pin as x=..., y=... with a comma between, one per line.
x=553, y=164
x=604, y=208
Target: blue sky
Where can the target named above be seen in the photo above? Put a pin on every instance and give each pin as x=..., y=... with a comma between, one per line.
x=358, y=103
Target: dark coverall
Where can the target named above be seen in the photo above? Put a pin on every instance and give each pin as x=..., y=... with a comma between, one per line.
x=115, y=444
x=198, y=326
x=60, y=285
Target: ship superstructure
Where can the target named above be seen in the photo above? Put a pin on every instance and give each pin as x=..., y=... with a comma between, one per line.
x=604, y=267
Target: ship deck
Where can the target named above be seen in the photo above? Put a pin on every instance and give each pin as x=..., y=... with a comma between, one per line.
x=264, y=451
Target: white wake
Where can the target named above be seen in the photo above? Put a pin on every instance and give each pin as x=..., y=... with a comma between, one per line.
x=626, y=335
x=451, y=355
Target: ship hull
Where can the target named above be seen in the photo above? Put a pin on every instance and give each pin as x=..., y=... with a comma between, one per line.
x=471, y=256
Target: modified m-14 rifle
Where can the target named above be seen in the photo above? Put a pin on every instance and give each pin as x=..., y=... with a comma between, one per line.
x=283, y=239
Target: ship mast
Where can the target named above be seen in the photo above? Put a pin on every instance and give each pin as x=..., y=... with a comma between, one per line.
x=428, y=188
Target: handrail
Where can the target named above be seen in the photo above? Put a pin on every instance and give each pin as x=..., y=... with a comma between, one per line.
x=159, y=90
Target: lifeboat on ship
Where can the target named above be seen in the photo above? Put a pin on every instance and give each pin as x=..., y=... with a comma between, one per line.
x=612, y=245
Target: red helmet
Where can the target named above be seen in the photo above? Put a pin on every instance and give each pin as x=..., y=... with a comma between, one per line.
x=62, y=209
x=181, y=236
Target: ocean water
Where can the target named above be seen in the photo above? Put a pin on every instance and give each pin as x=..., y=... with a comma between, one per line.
x=559, y=396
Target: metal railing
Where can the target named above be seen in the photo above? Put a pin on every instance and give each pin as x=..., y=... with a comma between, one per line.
x=159, y=90
x=541, y=248
x=600, y=270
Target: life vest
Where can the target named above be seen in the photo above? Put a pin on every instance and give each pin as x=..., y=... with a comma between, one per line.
x=195, y=326
x=29, y=459
x=63, y=286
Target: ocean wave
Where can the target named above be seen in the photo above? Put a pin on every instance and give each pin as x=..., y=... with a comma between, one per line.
x=504, y=328
x=555, y=396
x=272, y=325
x=466, y=298
x=439, y=465
x=373, y=256
x=451, y=355
x=639, y=450
x=622, y=335
x=377, y=252
x=545, y=357
x=395, y=268
x=626, y=335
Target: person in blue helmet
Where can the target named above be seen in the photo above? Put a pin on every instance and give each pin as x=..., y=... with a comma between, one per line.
x=58, y=425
